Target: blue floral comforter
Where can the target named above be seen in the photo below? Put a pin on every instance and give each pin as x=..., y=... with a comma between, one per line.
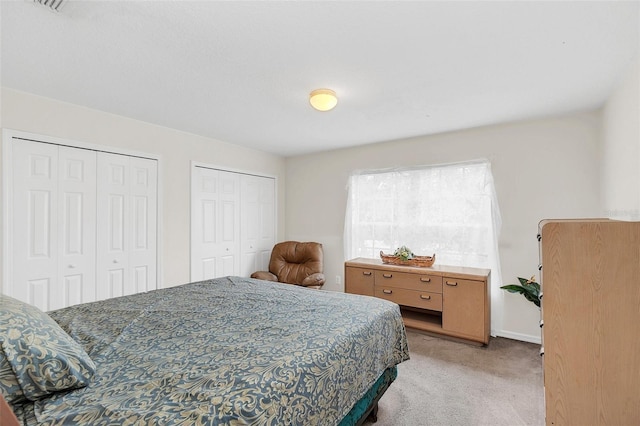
x=228, y=351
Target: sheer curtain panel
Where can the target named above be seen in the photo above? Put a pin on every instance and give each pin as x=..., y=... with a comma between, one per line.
x=450, y=210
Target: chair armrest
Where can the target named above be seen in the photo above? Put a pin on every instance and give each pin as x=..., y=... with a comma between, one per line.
x=264, y=275
x=313, y=279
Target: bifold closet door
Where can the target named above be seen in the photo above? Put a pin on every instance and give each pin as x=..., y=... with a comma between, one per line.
x=127, y=222
x=53, y=217
x=257, y=229
x=215, y=223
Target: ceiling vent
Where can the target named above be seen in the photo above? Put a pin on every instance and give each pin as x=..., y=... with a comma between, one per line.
x=54, y=5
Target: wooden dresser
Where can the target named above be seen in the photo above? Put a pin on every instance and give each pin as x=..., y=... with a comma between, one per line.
x=590, y=321
x=449, y=300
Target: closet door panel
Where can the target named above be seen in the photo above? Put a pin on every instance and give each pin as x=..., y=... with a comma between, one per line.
x=35, y=225
x=228, y=223
x=204, y=212
x=215, y=227
x=258, y=223
x=208, y=270
x=250, y=225
x=268, y=222
x=143, y=252
x=113, y=240
x=77, y=225
x=82, y=224
x=232, y=223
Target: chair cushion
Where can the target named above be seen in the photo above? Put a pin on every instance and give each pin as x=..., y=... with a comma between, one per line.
x=264, y=275
x=293, y=261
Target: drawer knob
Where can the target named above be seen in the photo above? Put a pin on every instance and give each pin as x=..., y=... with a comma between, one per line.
x=425, y=280
x=425, y=297
x=542, y=351
x=451, y=283
x=367, y=273
x=541, y=323
x=385, y=291
x=387, y=275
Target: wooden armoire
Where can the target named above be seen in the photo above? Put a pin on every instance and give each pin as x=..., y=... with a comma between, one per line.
x=590, y=272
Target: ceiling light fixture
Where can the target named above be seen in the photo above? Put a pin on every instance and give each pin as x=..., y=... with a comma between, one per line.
x=323, y=99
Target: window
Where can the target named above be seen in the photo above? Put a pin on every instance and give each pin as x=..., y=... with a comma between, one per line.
x=450, y=210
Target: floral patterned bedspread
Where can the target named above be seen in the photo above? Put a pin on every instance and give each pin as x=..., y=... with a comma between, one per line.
x=227, y=351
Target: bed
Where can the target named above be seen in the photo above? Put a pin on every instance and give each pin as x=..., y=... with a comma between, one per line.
x=226, y=351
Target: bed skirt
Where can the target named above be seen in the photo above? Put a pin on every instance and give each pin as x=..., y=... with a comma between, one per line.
x=369, y=401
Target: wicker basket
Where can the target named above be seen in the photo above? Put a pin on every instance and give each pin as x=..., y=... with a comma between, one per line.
x=421, y=261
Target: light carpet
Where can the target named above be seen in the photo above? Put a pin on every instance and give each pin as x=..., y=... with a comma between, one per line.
x=452, y=383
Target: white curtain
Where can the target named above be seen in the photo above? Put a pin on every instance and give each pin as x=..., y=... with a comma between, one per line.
x=450, y=210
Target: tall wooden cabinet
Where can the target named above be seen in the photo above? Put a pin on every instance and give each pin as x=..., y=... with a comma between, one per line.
x=449, y=300
x=591, y=321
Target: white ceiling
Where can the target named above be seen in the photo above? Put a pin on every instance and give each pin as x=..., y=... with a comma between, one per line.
x=241, y=71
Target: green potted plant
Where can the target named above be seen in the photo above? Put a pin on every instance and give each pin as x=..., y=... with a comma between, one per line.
x=529, y=288
x=403, y=253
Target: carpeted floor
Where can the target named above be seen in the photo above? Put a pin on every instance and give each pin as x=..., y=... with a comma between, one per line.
x=450, y=383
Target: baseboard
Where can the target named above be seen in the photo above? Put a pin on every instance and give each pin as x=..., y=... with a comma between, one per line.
x=519, y=336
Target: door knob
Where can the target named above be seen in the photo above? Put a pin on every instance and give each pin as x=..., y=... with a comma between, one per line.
x=72, y=266
x=115, y=261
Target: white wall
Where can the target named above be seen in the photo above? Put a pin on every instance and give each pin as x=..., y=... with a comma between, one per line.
x=29, y=113
x=621, y=150
x=542, y=169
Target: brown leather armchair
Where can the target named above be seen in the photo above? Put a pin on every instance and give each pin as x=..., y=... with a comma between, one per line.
x=293, y=262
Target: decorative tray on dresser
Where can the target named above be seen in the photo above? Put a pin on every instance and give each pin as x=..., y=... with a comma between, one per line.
x=449, y=300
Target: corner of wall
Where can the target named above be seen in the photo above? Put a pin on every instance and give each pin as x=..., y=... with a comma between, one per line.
x=621, y=148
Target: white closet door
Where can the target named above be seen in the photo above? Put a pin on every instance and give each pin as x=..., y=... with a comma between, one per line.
x=258, y=223
x=215, y=224
x=126, y=225
x=204, y=199
x=35, y=232
x=113, y=239
x=144, y=222
x=53, y=214
x=82, y=224
x=77, y=226
x=229, y=224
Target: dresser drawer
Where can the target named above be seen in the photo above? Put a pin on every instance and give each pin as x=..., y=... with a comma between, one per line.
x=419, y=282
x=358, y=281
x=413, y=298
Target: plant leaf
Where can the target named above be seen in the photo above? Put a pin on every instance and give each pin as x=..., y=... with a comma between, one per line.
x=530, y=291
x=513, y=288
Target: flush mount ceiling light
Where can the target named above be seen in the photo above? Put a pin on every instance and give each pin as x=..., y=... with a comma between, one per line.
x=323, y=99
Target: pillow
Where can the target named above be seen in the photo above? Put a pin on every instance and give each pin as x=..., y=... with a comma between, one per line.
x=37, y=357
x=9, y=387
